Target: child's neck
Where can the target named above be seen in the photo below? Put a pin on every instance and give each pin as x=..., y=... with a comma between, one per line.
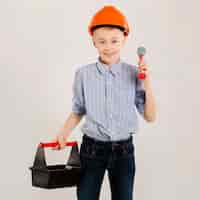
x=109, y=63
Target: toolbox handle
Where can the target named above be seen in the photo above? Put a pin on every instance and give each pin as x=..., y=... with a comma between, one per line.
x=54, y=144
x=40, y=161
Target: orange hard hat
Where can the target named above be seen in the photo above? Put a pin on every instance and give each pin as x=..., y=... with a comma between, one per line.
x=109, y=16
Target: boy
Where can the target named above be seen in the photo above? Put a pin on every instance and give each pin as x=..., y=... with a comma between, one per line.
x=106, y=93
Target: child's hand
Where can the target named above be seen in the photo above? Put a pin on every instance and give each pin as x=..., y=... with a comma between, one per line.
x=61, y=139
x=142, y=68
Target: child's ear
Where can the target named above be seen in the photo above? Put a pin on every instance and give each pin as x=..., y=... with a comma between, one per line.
x=124, y=41
x=93, y=43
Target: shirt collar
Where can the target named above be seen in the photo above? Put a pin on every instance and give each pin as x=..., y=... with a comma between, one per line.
x=114, y=68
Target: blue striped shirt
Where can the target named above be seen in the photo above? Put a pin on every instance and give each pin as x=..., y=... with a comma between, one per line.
x=109, y=98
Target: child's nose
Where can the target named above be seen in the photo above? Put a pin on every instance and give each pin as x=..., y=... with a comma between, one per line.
x=108, y=47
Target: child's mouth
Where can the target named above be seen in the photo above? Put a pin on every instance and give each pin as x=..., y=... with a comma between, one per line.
x=109, y=54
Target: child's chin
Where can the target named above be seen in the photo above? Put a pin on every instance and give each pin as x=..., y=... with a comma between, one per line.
x=109, y=57
x=106, y=60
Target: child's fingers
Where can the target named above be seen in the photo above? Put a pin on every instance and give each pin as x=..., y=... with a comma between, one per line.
x=57, y=147
x=61, y=139
x=61, y=145
x=143, y=68
x=141, y=62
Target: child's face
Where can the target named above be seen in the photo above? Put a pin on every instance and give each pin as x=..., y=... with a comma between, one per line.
x=109, y=42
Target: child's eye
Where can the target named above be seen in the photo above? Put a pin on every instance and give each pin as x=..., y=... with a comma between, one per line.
x=102, y=42
x=114, y=41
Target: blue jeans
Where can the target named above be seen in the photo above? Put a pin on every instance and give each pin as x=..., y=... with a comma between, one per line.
x=115, y=156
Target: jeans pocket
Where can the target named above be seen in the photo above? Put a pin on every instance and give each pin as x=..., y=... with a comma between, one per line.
x=87, y=150
x=128, y=149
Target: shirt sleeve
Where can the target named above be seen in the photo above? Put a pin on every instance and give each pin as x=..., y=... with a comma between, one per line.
x=78, y=100
x=140, y=96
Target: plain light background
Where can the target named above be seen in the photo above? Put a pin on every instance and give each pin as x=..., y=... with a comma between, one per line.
x=43, y=42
